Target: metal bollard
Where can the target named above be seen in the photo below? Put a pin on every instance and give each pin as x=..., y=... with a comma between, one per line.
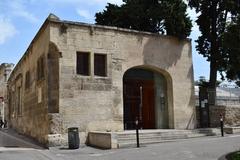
x=137, y=133
x=221, y=125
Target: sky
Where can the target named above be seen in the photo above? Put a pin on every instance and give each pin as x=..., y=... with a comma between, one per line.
x=21, y=19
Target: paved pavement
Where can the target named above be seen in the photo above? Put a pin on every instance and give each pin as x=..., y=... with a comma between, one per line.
x=206, y=148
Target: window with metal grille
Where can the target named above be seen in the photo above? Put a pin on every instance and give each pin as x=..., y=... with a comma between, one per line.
x=83, y=63
x=100, y=65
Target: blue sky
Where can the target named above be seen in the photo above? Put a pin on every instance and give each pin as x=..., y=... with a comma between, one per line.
x=21, y=19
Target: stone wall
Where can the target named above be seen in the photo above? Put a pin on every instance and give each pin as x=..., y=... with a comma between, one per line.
x=94, y=103
x=231, y=115
x=28, y=104
x=5, y=70
x=64, y=99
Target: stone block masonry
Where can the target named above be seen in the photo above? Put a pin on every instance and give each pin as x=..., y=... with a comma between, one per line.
x=65, y=93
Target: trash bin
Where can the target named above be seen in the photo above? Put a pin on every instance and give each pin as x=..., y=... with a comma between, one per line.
x=73, y=138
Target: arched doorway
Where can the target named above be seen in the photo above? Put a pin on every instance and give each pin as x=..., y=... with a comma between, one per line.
x=53, y=78
x=149, y=88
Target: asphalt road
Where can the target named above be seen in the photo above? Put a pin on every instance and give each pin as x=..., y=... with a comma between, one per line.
x=206, y=148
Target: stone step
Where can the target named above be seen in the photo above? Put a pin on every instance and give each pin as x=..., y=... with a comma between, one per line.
x=183, y=134
x=154, y=134
x=152, y=140
x=128, y=138
x=133, y=138
x=147, y=136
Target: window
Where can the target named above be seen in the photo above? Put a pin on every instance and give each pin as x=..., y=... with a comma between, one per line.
x=100, y=65
x=27, y=80
x=40, y=68
x=83, y=65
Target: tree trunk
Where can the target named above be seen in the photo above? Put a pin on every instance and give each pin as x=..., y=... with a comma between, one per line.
x=212, y=83
x=214, y=55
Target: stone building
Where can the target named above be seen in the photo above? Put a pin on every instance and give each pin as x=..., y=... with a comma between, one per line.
x=5, y=70
x=94, y=78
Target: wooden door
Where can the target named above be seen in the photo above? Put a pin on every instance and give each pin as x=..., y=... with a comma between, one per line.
x=131, y=104
x=148, y=111
x=132, y=108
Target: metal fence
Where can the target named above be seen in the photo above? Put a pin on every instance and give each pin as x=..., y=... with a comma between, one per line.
x=224, y=96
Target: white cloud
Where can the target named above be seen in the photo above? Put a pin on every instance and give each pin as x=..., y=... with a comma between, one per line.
x=89, y=2
x=85, y=14
x=18, y=8
x=7, y=30
x=109, y=1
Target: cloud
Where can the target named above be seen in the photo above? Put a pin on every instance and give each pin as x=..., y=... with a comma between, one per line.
x=85, y=14
x=7, y=30
x=195, y=29
x=89, y=2
x=20, y=10
x=109, y=1
x=17, y=8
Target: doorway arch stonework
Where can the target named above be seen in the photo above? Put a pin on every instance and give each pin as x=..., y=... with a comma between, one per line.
x=157, y=105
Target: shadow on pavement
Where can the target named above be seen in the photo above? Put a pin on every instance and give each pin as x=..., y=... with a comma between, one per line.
x=11, y=139
x=223, y=157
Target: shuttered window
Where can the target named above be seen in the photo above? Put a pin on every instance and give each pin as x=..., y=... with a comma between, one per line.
x=83, y=66
x=100, y=65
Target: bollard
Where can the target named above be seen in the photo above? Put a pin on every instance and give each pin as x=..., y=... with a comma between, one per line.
x=137, y=133
x=221, y=125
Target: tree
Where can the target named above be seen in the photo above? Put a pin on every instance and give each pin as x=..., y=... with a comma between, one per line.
x=158, y=16
x=212, y=21
x=232, y=50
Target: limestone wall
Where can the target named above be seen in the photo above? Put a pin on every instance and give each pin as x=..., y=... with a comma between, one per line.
x=63, y=99
x=5, y=70
x=28, y=112
x=231, y=115
x=94, y=103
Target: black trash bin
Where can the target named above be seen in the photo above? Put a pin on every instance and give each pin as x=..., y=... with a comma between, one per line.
x=73, y=138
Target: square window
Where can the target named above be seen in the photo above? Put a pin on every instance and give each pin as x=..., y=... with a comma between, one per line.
x=100, y=65
x=83, y=63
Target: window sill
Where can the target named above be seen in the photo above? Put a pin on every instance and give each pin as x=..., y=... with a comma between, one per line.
x=82, y=76
x=101, y=77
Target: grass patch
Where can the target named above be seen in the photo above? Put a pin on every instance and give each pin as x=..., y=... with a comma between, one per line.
x=233, y=156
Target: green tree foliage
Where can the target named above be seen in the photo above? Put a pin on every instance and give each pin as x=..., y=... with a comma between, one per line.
x=158, y=16
x=231, y=45
x=213, y=21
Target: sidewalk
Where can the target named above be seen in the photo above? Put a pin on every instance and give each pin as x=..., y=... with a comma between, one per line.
x=205, y=148
x=10, y=138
